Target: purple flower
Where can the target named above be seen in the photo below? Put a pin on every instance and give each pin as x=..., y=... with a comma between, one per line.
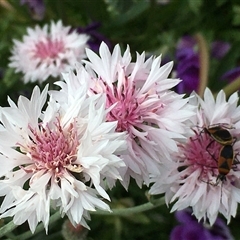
x=95, y=37
x=36, y=7
x=187, y=65
x=231, y=74
x=186, y=42
x=191, y=229
x=219, y=49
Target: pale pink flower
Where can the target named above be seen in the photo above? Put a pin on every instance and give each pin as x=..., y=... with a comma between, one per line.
x=193, y=179
x=47, y=51
x=57, y=157
x=140, y=100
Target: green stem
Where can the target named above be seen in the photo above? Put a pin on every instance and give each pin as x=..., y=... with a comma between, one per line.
x=9, y=227
x=7, y=5
x=56, y=216
x=204, y=63
x=118, y=228
x=132, y=210
x=232, y=87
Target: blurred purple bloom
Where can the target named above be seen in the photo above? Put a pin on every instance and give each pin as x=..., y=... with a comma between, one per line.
x=231, y=74
x=36, y=7
x=186, y=42
x=219, y=49
x=187, y=65
x=191, y=229
x=95, y=37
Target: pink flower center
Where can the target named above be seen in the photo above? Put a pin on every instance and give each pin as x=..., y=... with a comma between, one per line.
x=126, y=110
x=54, y=149
x=129, y=109
x=202, y=152
x=49, y=49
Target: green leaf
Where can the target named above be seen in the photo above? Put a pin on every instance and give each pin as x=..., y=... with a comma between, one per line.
x=236, y=15
x=129, y=13
x=195, y=5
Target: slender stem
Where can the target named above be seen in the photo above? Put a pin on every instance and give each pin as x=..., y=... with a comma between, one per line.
x=56, y=216
x=11, y=236
x=118, y=228
x=7, y=5
x=132, y=210
x=9, y=227
x=232, y=87
x=204, y=63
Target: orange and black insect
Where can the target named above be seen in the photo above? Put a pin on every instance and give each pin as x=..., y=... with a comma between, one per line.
x=220, y=135
x=226, y=154
x=225, y=162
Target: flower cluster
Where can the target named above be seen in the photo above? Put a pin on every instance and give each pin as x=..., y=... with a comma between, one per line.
x=70, y=153
x=139, y=98
x=113, y=118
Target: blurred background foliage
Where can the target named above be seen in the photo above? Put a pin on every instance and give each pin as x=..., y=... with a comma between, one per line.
x=153, y=26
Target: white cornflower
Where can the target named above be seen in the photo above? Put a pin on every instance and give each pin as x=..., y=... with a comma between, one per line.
x=47, y=51
x=205, y=174
x=58, y=157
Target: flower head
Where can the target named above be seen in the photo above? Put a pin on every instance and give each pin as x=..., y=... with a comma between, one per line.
x=58, y=157
x=205, y=174
x=140, y=100
x=44, y=53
